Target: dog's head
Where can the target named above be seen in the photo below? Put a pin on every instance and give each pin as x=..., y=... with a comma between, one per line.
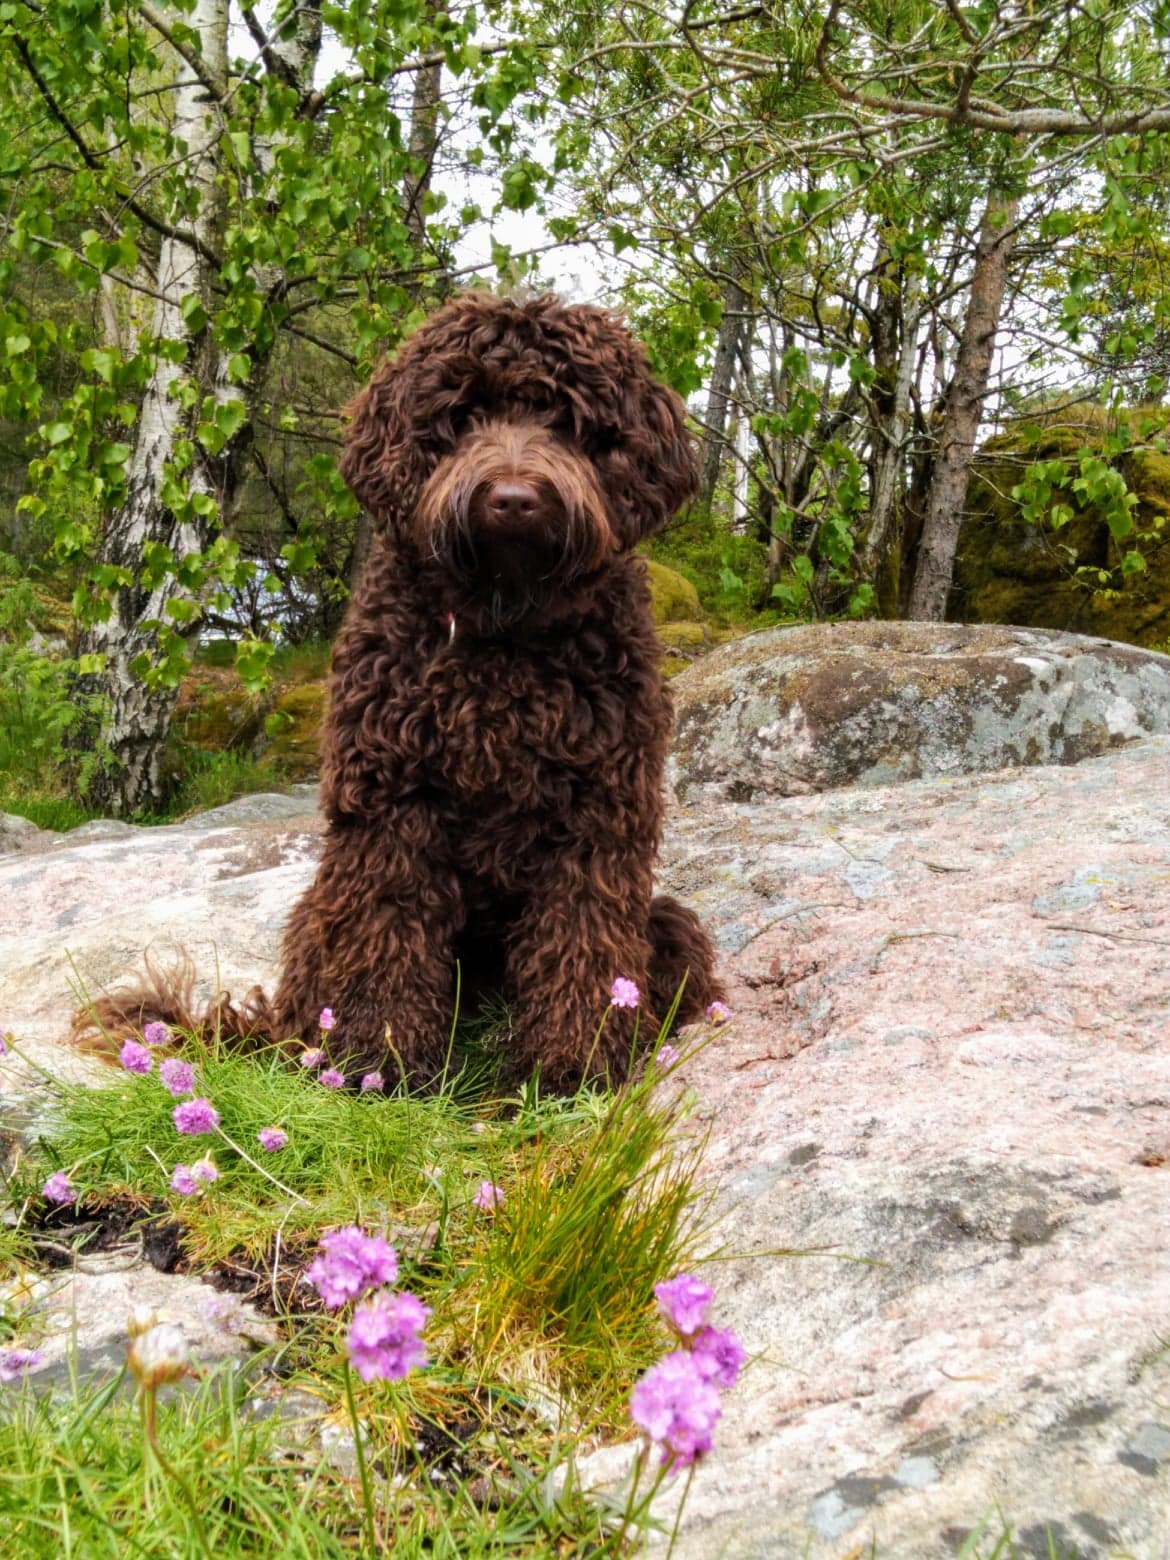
x=517, y=442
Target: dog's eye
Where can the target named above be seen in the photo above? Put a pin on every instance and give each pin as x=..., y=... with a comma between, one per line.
x=601, y=442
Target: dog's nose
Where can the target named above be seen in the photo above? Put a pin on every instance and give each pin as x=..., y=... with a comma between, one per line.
x=511, y=501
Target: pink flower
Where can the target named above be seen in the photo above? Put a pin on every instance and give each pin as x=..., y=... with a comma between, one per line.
x=677, y=1407
x=488, y=1198
x=683, y=1301
x=313, y=1057
x=667, y=1056
x=384, y=1342
x=15, y=1362
x=59, y=1188
x=135, y=1058
x=273, y=1139
x=204, y=1169
x=327, y=1019
x=177, y=1077
x=351, y=1262
x=719, y=1013
x=184, y=1181
x=373, y=1083
x=156, y=1034
x=194, y=1117
x=624, y=993
x=331, y=1078
x=719, y=1354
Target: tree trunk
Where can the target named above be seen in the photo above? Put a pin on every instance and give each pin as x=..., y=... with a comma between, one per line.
x=894, y=335
x=731, y=332
x=964, y=409
x=136, y=716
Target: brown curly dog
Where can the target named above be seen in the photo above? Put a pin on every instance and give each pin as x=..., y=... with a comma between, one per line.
x=498, y=724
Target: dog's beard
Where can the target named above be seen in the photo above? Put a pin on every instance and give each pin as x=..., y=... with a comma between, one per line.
x=509, y=575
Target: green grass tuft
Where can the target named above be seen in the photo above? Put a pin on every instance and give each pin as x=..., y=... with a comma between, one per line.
x=542, y=1310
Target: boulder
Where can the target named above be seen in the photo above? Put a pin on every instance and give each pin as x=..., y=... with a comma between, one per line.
x=937, y=1133
x=794, y=710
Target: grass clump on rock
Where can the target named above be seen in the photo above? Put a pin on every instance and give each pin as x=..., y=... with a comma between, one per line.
x=518, y=1242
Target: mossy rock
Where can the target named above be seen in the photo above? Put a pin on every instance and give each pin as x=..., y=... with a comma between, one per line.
x=673, y=599
x=684, y=636
x=214, y=710
x=1010, y=570
x=293, y=729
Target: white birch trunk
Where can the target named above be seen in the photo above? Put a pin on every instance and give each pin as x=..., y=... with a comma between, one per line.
x=137, y=717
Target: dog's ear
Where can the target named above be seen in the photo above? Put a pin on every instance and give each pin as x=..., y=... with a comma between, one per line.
x=651, y=469
x=383, y=464
x=633, y=426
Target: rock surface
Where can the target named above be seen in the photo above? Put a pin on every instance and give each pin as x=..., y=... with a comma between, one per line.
x=804, y=709
x=948, y=1082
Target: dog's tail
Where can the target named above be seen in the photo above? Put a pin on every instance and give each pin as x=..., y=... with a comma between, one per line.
x=167, y=996
x=680, y=950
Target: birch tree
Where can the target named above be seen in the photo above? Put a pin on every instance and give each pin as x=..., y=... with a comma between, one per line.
x=190, y=169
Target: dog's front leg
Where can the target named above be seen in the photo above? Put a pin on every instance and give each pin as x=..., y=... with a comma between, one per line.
x=372, y=940
x=583, y=925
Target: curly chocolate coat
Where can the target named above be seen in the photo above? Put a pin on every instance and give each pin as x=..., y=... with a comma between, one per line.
x=498, y=724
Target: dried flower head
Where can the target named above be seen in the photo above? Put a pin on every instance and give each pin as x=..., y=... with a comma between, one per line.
x=719, y=1013
x=312, y=1057
x=158, y=1355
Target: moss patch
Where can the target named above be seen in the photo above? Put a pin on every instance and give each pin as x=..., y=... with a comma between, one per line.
x=1010, y=569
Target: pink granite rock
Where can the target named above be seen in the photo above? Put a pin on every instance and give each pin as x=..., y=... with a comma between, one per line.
x=948, y=1083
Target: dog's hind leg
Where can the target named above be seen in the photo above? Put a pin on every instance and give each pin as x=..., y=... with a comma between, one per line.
x=681, y=950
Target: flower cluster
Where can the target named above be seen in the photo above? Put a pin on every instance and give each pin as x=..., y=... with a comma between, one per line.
x=488, y=1198
x=187, y=1179
x=15, y=1362
x=350, y=1263
x=384, y=1341
x=59, y=1188
x=677, y=1401
x=195, y=1117
x=624, y=993
x=384, y=1334
x=135, y=1058
x=178, y=1078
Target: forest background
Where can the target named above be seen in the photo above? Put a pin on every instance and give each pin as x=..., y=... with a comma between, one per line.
x=906, y=261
